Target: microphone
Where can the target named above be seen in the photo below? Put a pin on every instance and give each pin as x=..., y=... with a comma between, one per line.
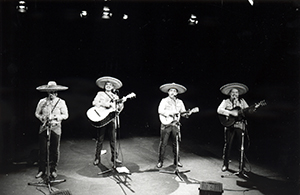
x=115, y=91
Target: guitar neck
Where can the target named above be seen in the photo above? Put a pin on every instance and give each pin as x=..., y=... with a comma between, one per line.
x=118, y=101
x=128, y=96
x=253, y=107
x=249, y=108
x=185, y=112
x=190, y=110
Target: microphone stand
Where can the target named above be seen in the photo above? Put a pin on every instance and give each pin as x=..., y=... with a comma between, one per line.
x=116, y=121
x=48, y=180
x=118, y=171
x=176, y=170
x=241, y=165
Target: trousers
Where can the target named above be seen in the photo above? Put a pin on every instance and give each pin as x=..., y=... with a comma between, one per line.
x=165, y=132
x=110, y=128
x=229, y=134
x=54, y=150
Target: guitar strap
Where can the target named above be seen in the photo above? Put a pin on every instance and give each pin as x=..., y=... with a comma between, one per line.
x=176, y=121
x=111, y=98
x=55, y=105
x=117, y=120
x=50, y=111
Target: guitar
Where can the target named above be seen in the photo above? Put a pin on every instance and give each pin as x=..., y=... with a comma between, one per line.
x=227, y=121
x=101, y=116
x=166, y=120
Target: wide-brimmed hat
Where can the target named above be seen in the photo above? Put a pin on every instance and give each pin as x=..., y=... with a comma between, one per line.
x=115, y=82
x=166, y=87
x=225, y=89
x=51, y=87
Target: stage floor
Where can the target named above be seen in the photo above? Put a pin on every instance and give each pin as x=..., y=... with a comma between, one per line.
x=201, y=163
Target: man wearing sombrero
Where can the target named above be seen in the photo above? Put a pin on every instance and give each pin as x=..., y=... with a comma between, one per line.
x=50, y=110
x=108, y=99
x=226, y=108
x=170, y=107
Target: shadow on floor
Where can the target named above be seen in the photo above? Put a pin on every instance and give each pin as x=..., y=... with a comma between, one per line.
x=266, y=185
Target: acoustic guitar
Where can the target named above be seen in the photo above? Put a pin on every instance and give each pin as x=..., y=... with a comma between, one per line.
x=101, y=116
x=227, y=121
x=166, y=120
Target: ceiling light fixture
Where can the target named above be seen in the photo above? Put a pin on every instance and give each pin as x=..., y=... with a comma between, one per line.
x=83, y=14
x=251, y=2
x=193, y=20
x=106, y=14
x=22, y=7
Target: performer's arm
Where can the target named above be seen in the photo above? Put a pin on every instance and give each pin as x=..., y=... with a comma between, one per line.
x=222, y=110
x=182, y=110
x=64, y=114
x=120, y=104
x=100, y=101
x=38, y=111
x=162, y=109
x=244, y=103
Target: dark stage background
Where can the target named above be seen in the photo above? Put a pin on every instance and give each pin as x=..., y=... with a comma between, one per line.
x=233, y=42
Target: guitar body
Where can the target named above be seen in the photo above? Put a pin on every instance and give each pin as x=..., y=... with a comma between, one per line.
x=228, y=121
x=167, y=120
x=101, y=116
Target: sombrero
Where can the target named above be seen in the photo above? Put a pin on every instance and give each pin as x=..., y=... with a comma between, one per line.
x=225, y=89
x=51, y=87
x=165, y=88
x=102, y=80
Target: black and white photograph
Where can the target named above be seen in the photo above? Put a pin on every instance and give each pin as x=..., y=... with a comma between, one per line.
x=149, y=97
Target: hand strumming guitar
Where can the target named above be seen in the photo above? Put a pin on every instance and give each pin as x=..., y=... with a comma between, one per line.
x=233, y=112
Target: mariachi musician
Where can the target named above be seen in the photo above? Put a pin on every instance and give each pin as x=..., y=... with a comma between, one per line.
x=170, y=109
x=51, y=111
x=108, y=99
x=226, y=108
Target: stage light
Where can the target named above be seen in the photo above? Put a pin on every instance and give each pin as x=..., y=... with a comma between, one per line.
x=22, y=7
x=106, y=14
x=83, y=14
x=125, y=17
x=193, y=20
x=251, y=2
